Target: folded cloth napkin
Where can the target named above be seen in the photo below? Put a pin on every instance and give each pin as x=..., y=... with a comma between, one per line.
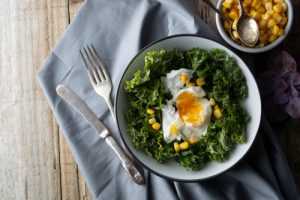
x=118, y=30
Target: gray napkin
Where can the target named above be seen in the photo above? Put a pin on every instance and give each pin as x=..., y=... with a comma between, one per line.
x=118, y=30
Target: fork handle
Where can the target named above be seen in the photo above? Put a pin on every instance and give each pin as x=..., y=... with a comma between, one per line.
x=127, y=164
x=111, y=109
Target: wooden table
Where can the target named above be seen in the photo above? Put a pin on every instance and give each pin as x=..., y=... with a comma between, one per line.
x=35, y=161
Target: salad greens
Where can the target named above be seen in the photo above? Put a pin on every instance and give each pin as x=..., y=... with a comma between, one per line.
x=224, y=82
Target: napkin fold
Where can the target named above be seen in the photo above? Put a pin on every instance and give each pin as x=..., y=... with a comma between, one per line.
x=118, y=30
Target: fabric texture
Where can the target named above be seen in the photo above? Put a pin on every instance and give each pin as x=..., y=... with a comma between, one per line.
x=118, y=30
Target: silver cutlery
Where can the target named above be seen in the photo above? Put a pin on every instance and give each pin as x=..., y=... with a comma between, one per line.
x=73, y=99
x=98, y=75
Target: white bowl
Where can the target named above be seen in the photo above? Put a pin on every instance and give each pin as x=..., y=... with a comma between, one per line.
x=171, y=169
x=290, y=16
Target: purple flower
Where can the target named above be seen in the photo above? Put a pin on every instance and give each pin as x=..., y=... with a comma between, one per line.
x=280, y=88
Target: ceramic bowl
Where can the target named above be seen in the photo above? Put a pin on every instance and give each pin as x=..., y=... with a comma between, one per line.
x=171, y=170
x=224, y=35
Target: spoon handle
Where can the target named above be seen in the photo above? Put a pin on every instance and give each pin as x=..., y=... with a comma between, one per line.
x=242, y=11
x=211, y=5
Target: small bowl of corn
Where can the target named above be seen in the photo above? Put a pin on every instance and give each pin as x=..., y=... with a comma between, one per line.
x=274, y=19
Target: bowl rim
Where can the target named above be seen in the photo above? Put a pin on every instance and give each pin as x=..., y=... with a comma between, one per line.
x=290, y=15
x=124, y=144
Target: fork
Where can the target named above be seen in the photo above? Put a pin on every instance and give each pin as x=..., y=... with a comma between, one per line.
x=98, y=75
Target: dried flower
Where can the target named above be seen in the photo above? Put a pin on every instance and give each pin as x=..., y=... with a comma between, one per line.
x=280, y=88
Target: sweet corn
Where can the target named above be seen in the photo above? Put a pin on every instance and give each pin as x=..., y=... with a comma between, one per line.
x=269, y=6
x=226, y=26
x=266, y=16
x=233, y=14
x=184, y=77
x=152, y=121
x=216, y=107
x=212, y=102
x=284, y=7
x=278, y=8
x=271, y=23
x=176, y=146
x=200, y=81
x=262, y=24
x=235, y=35
x=234, y=24
x=184, y=145
x=174, y=130
x=258, y=5
x=272, y=38
x=263, y=37
x=193, y=140
x=277, y=17
x=150, y=111
x=190, y=84
x=283, y=21
x=217, y=113
x=226, y=5
x=275, y=30
x=256, y=15
x=254, y=3
x=261, y=10
x=278, y=1
x=281, y=32
x=156, y=126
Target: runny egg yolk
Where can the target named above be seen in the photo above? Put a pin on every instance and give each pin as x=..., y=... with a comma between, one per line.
x=189, y=108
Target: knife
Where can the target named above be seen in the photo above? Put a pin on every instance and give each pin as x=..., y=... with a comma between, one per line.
x=73, y=99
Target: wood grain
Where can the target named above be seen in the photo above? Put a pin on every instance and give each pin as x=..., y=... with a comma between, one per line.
x=35, y=161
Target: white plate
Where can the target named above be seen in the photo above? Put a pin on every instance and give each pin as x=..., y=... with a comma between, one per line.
x=171, y=169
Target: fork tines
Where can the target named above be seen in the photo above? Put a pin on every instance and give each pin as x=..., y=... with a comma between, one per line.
x=95, y=68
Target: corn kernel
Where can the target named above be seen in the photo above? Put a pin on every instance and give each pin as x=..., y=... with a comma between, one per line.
x=261, y=10
x=269, y=6
x=217, y=113
x=193, y=140
x=254, y=3
x=200, y=81
x=212, y=102
x=275, y=30
x=226, y=26
x=266, y=16
x=278, y=1
x=284, y=7
x=271, y=23
x=152, y=121
x=272, y=38
x=176, y=147
x=234, y=24
x=277, y=17
x=263, y=37
x=256, y=15
x=281, y=32
x=174, y=130
x=190, y=84
x=283, y=21
x=235, y=35
x=150, y=111
x=278, y=8
x=258, y=5
x=270, y=12
x=226, y=5
x=224, y=10
x=248, y=1
x=184, y=145
x=184, y=77
x=262, y=24
x=233, y=14
x=216, y=107
x=156, y=126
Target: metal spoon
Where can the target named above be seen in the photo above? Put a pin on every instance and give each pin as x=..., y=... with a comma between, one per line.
x=247, y=28
x=211, y=5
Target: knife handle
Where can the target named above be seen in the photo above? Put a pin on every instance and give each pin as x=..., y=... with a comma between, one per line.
x=128, y=165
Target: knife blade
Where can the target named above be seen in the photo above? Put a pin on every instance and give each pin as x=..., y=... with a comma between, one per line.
x=73, y=99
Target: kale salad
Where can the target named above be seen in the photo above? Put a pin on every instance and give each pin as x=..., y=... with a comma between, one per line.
x=185, y=105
